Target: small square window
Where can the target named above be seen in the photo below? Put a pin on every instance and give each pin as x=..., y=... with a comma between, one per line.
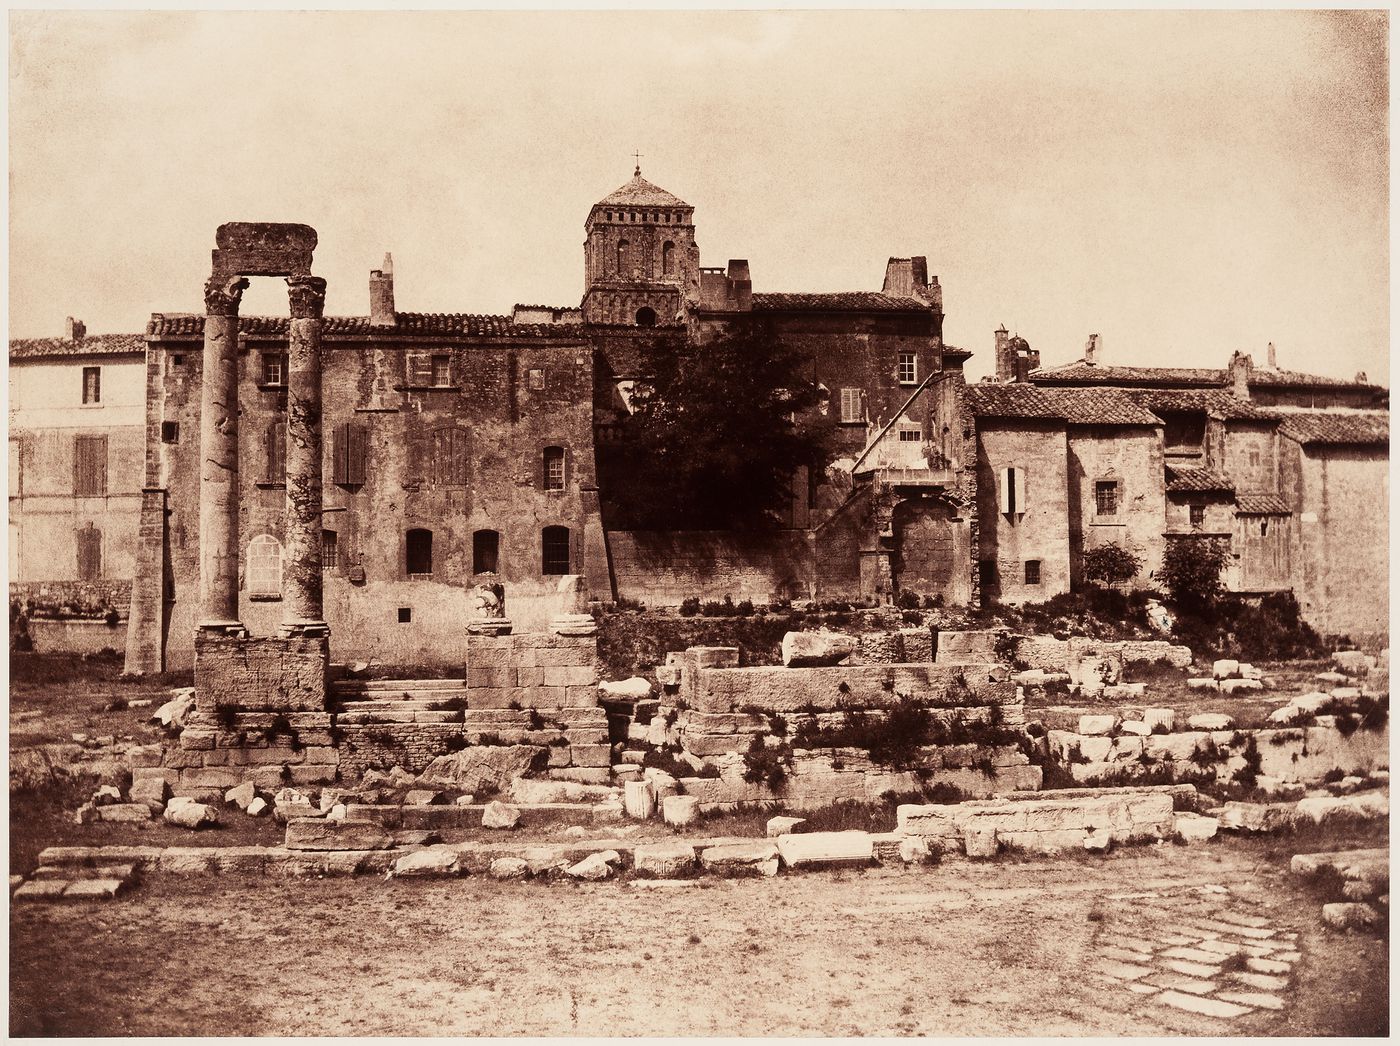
x=1032, y=571
x=442, y=370
x=1198, y=516
x=405, y=615
x=536, y=379
x=170, y=432
x=1106, y=497
x=908, y=368
x=178, y=359
x=92, y=384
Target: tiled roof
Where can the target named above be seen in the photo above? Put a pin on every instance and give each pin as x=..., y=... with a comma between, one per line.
x=1261, y=505
x=1215, y=402
x=1336, y=427
x=1073, y=406
x=1198, y=481
x=1079, y=372
x=92, y=345
x=841, y=301
x=457, y=324
x=992, y=400
x=640, y=193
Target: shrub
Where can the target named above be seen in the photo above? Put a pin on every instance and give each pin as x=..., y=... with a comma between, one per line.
x=625, y=605
x=1191, y=570
x=767, y=764
x=907, y=600
x=744, y=608
x=1111, y=563
x=1334, y=775
x=690, y=606
x=1248, y=775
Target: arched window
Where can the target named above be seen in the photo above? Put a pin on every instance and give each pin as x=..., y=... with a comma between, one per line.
x=486, y=551
x=554, y=550
x=264, y=566
x=553, y=468
x=646, y=316
x=419, y=552
x=622, y=257
x=668, y=258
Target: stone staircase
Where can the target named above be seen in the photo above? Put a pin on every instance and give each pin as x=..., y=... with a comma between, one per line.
x=388, y=701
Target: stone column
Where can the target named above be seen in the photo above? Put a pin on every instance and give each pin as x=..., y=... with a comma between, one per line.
x=302, y=612
x=218, y=456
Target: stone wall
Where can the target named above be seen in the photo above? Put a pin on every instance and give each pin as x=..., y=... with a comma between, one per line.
x=70, y=636
x=1132, y=458
x=532, y=670
x=80, y=599
x=664, y=568
x=261, y=674
x=1039, y=533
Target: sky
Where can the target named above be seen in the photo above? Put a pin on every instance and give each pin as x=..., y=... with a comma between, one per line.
x=1184, y=184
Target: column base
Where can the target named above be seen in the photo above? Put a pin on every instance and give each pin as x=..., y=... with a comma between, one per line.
x=303, y=629
x=221, y=628
x=574, y=625
x=490, y=626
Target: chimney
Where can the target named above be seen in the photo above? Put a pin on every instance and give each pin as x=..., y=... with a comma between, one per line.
x=1005, y=358
x=1361, y=378
x=1273, y=357
x=1241, y=366
x=908, y=278
x=740, y=284
x=74, y=330
x=381, y=295
x=1092, y=348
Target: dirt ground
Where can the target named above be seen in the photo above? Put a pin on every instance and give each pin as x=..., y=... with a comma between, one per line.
x=959, y=949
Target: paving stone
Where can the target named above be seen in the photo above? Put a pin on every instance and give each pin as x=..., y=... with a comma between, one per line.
x=1140, y=988
x=1218, y=928
x=1181, y=983
x=1241, y=919
x=1260, y=999
x=1121, y=970
x=1125, y=954
x=1137, y=944
x=1220, y=948
x=1193, y=969
x=1268, y=966
x=41, y=890
x=94, y=889
x=1287, y=956
x=1193, y=954
x=1208, y=1007
x=1260, y=980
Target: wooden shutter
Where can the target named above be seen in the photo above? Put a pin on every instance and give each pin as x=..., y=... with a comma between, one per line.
x=1012, y=493
x=851, y=405
x=420, y=368
x=340, y=447
x=275, y=447
x=449, y=457
x=357, y=456
x=90, y=466
x=89, y=554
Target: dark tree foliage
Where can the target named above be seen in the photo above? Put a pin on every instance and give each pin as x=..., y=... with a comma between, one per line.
x=712, y=442
x=1191, y=570
x=1111, y=563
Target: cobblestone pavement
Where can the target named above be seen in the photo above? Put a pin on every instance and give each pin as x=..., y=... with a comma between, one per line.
x=1199, y=949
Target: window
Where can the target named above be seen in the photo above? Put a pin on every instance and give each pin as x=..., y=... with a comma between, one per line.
x=92, y=384
x=1263, y=528
x=1032, y=571
x=419, y=372
x=274, y=368
x=264, y=566
x=851, y=412
x=668, y=258
x=910, y=434
x=89, y=553
x=1198, y=516
x=275, y=454
x=90, y=466
x=646, y=316
x=908, y=369
x=349, y=451
x=1106, y=497
x=537, y=379
x=178, y=359
x=442, y=370
x=448, y=458
x=330, y=550
x=553, y=469
x=1013, y=490
x=486, y=549
x=405, y=615
x=419, y=552
x=554, y=548
x=170, y=432
x=987, y=574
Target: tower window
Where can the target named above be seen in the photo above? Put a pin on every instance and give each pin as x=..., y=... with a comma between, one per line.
x=646, y=316
x=1032, y=571
x=554, y=550
x=419, y=552
x=1013, y=490
x=486, y=552
x=668, y=258
x=553, y=468
x=621, y=257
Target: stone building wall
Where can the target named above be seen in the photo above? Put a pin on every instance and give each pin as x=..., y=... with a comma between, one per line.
x=1132, y=458
x=1040, y=533
x=664, y=568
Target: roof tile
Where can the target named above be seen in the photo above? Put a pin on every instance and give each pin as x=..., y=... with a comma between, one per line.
x=1336, y=427
x=91, y=345
x=436, y=324
x=1198, y=481
x=840, y=301
x=1261, y=505
x=1073, y=406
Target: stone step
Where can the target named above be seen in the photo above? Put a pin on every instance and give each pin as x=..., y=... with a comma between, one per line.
x=438, y=818
x=419, y=703
x=379, y=686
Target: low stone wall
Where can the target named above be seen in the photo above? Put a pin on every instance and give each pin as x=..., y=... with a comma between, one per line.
x=532, y=670
x=1044, y=824
x=260, y=673
x=89, y=599
x=1065, y=655
x=70, y=635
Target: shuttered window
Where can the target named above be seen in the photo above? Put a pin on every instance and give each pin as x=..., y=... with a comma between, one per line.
x=448, y=457
x=1013, y=490
x=89, y=553
x=419, y=369
x=418, y=552
x=90, y=466
x=851, y=411
x=349, y=452
x=275, y=454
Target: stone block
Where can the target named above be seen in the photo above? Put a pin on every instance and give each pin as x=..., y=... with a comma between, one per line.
x=783, y=825
x=490, y=677
x=591, y=756
x=40, y=890
x=594, y=866
x=263, y=673
x=1350, y=915
x=94, y=889
x=1135, y=727
x=1194, y=828
x=1352, y=662
x=967, y=646
x=124, y=812
x=190, y=814
x=150, y=790
x=1210, y=721
x=732, y=856
x=471, y=768
x=1225, y=668
x=638, y=799
x=593, y=775
x=500, y=815
x=1232, y=686
x=1097, y=725
x=667, y=860
x=680, y=809
x=810, y=649
x=1203, y=683
x=570, y=675
x=311, y=833
x=433, y=861
x=823, y=847
x=979, y=841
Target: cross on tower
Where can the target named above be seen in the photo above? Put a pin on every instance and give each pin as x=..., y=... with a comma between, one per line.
x=638, y=157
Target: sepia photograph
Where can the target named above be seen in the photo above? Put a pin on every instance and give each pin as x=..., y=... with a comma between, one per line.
x=725, y=523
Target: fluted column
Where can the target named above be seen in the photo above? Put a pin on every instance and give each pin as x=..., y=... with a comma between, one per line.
x=218, y=456
x=302, y=611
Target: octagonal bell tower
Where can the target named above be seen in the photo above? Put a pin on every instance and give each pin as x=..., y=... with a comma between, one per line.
x=640, y=260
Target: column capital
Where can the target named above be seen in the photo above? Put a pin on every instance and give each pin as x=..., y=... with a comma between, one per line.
x=307, y=295
x=222, y=294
